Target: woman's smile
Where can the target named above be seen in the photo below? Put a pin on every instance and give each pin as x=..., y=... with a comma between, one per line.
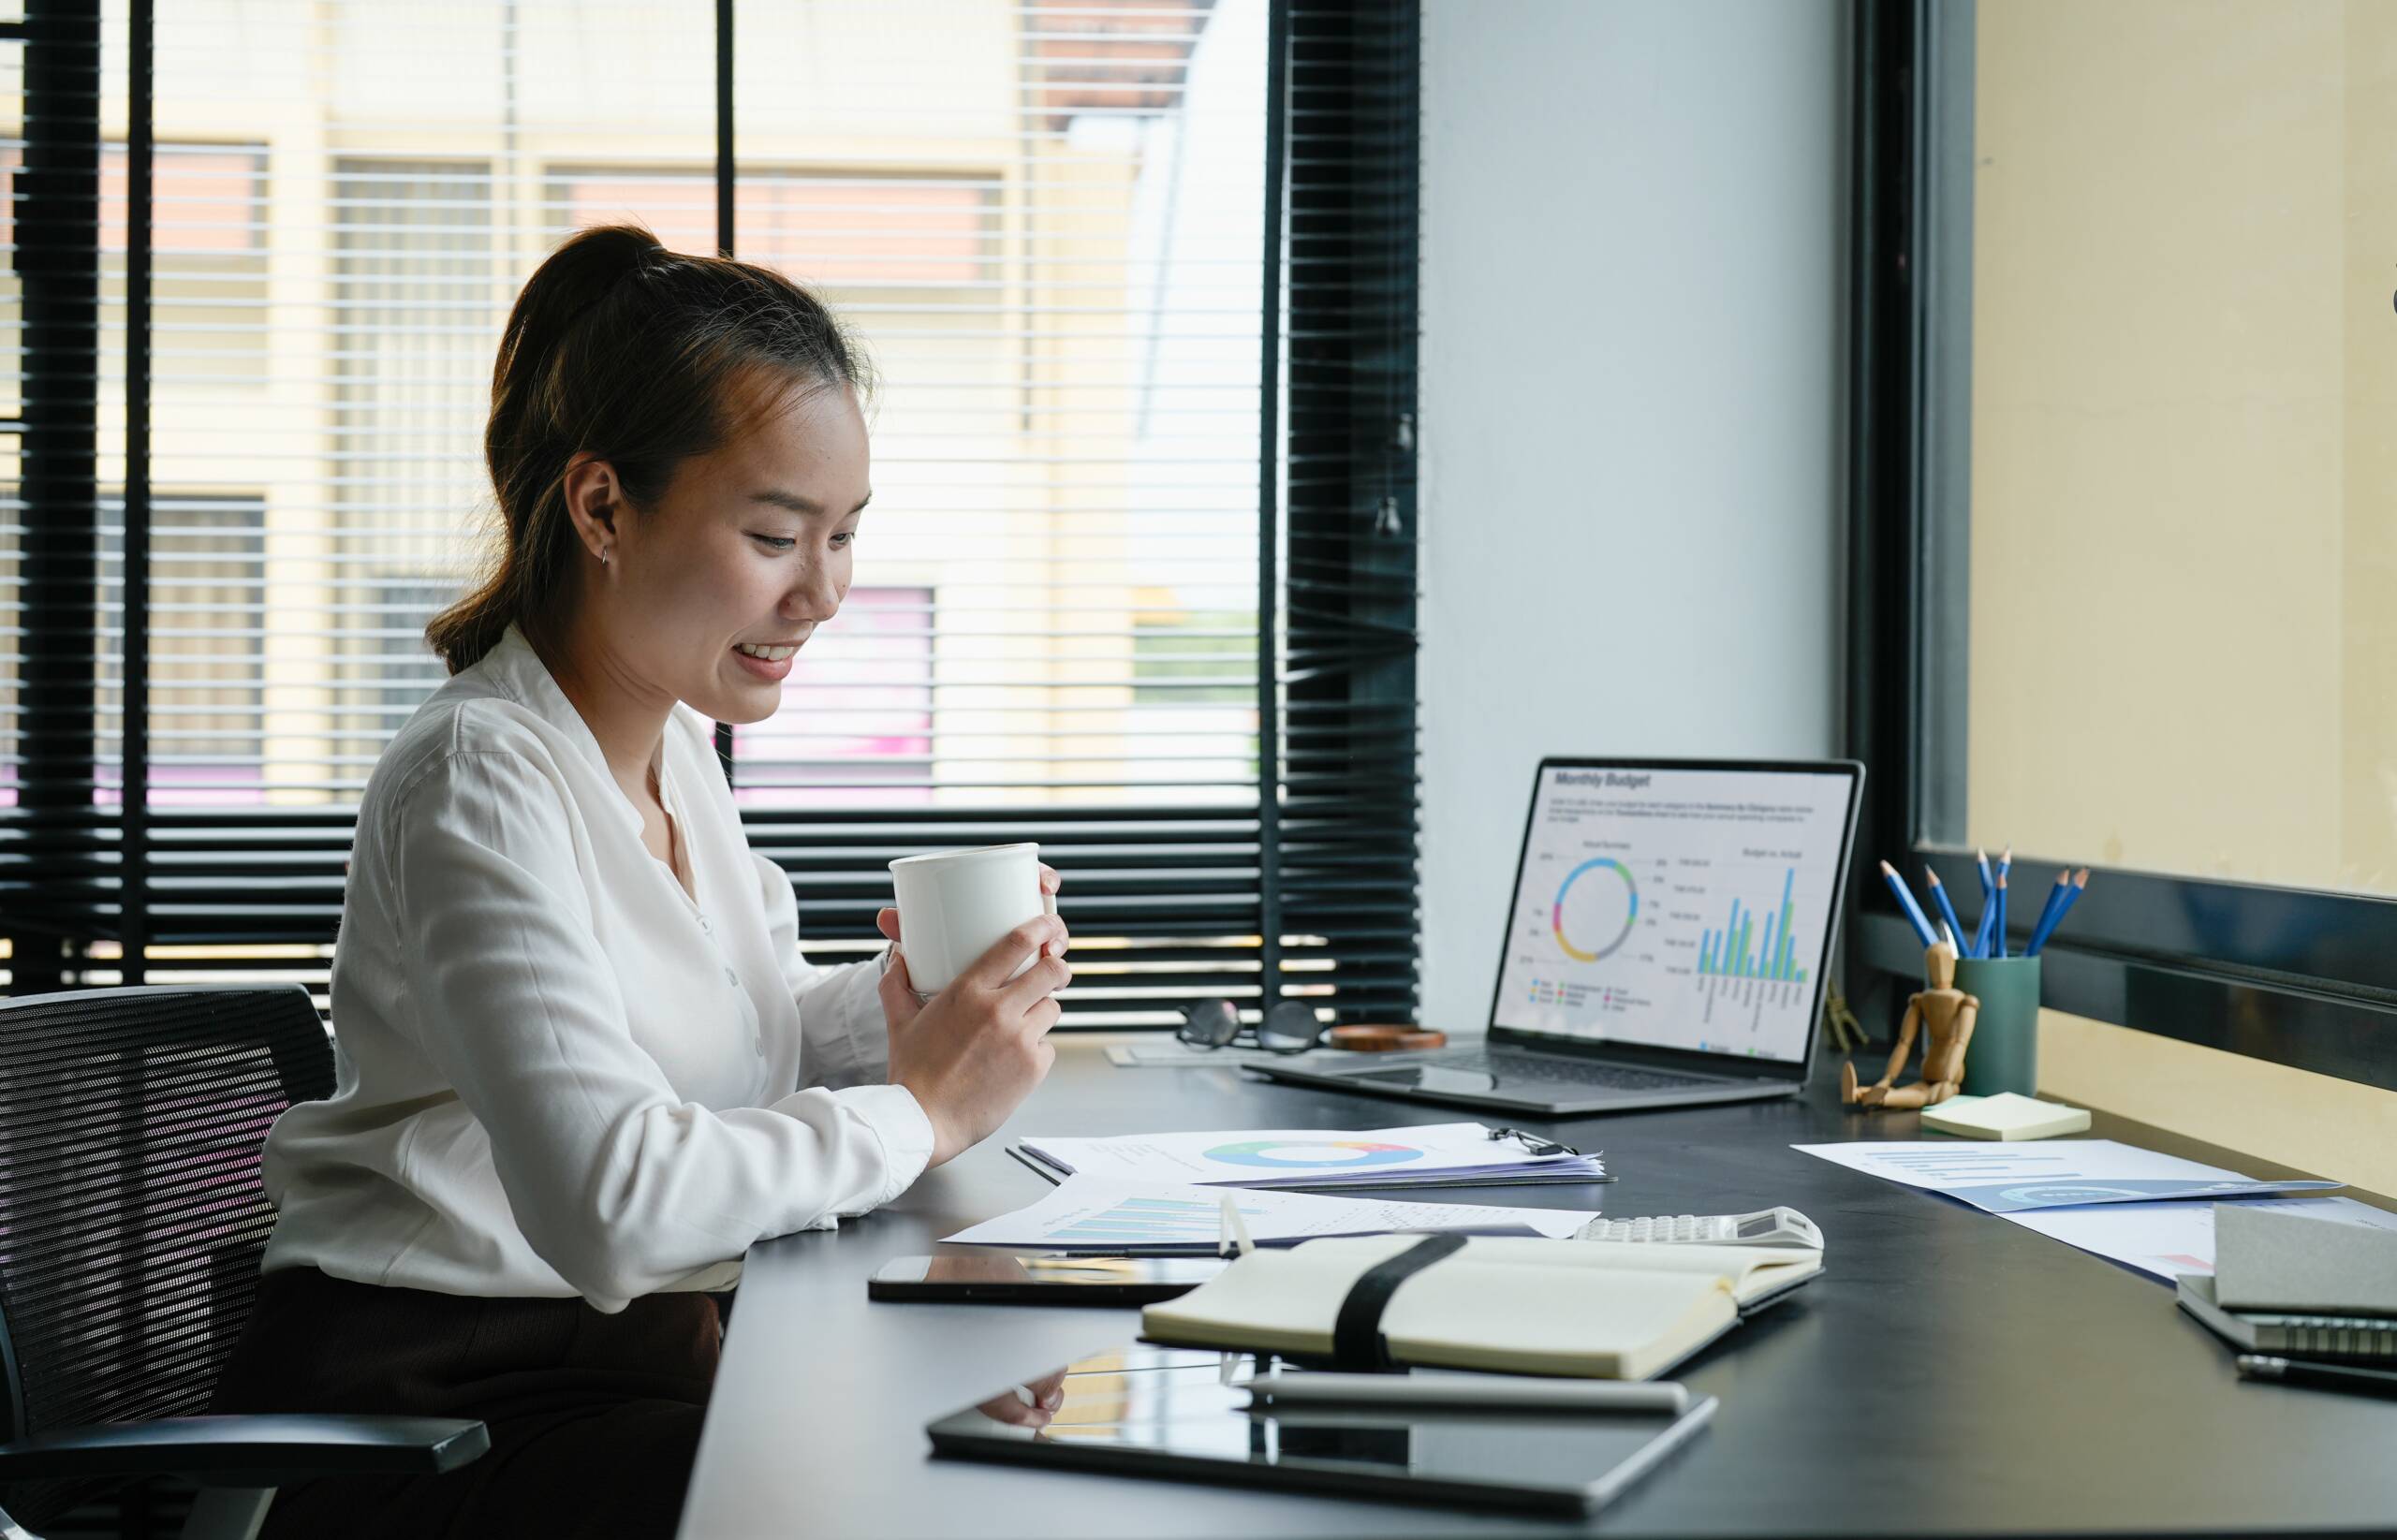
x=769, y=661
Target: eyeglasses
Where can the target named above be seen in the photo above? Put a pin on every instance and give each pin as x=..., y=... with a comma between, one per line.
x=1288, y=1028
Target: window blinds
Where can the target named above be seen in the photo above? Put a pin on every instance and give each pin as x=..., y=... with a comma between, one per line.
x=1095, y=253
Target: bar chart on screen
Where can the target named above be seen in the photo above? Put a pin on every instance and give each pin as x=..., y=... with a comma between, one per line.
x=1746, y=970
x=1736, y=952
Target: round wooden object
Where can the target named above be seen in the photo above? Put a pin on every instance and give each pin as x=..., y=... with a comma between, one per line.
x=1383, y=1039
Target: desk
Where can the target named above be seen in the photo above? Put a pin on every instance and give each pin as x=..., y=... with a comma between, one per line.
x=1951, y=1374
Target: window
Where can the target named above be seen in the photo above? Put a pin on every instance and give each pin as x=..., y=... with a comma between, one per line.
x=410, y=336
x=207, y=712
x=2184, y=483
x=856, y=725
x=1137, y=582
x=2125, y=516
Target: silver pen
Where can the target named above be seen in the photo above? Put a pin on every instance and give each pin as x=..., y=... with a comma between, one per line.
x=1522, y=1391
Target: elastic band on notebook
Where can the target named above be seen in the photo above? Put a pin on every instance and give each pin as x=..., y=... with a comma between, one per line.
x=1356, y=1331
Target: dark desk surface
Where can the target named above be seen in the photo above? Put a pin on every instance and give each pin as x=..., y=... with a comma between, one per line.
x=1952, y=1374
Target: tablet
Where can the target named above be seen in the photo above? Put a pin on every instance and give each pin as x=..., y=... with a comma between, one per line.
x=1152, y=1411
x=997, y=1278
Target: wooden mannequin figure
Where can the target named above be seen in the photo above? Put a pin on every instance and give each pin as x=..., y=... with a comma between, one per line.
x=1947, y=1014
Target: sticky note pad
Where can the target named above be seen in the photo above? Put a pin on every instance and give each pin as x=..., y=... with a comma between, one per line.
x=2005, y=1116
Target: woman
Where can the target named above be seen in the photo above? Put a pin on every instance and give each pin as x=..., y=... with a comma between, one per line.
x=582, y=1065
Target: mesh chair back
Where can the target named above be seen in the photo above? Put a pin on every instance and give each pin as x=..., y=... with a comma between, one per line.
x=132, y=1216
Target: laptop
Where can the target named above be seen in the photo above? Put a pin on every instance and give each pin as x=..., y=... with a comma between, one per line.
x=1668, y=944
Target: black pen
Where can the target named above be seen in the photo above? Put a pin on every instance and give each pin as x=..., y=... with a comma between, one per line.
x=2367, y=1381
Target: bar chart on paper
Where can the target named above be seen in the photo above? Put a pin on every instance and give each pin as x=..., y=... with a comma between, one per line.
x=1146, y=1222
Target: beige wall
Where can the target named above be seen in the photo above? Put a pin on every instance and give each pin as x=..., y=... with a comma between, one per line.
x=2183, y=479
x=2185, y=491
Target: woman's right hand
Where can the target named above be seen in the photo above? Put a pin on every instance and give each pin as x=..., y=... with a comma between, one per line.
x=973, y=1053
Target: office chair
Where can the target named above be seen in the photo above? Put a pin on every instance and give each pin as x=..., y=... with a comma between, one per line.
x=132, y=1219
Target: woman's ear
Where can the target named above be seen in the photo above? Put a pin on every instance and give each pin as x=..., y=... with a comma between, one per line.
x=593, y=495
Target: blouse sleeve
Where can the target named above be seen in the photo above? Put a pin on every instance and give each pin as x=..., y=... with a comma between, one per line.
x=615, y=1182
x=843, y=1040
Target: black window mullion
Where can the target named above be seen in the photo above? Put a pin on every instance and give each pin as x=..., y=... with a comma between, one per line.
x=58, y=268
x=1881, y=694
x=1269, y=455
x=726, y=177
x=133, y=889
x=1344, y=855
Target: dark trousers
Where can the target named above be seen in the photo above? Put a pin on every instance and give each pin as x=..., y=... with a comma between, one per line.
x=594, y=1418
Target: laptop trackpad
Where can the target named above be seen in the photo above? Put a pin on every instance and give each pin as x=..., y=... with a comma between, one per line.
x=1430, y=1078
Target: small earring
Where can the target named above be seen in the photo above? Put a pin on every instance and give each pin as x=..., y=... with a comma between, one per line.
x=603, y=554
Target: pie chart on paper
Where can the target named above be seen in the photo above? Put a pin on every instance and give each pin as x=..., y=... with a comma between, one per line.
x=1339, y=1154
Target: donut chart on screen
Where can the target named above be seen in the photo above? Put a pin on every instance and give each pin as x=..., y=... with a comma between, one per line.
x=1594, y=949
x=1314, y=1152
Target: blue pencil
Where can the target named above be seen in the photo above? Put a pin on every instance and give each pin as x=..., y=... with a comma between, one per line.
x=1997, y=932
x=1947, y=910
x=1988, y=898
x=2079, y=885
x=1905, y=902
x=2048, y=911
x=2071, y=895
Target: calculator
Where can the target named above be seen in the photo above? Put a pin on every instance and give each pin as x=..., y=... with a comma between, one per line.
x=1765, y=1227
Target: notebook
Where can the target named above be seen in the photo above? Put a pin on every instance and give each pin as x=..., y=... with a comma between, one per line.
x=2299, y=1283
x=1598, y=1309
x=2273, y=1261
x=2362, y=1338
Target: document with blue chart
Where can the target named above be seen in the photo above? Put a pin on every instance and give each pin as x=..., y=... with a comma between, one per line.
x=1083, y=1213
x=2054, y=1174
x=1675, y=908
x=2143, y=1209
x=1456, y=1154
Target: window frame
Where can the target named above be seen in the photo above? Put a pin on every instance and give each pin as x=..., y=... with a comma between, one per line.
x=2298, y=977
x=1313, y=891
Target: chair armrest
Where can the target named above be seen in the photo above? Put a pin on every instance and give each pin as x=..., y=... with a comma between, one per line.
x=248, y=1451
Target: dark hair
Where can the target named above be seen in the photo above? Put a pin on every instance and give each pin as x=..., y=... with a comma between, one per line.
x=642, y=356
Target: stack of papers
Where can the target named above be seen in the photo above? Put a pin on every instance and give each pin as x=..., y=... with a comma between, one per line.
x=1087, y=1214
x=1455, y=1154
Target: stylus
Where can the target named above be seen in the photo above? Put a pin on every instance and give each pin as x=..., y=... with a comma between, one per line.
x=1422, y=1390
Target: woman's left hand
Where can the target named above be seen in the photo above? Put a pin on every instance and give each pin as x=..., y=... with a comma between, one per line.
x=888, y=920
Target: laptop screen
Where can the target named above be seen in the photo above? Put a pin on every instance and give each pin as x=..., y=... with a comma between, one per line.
x=1676, y=908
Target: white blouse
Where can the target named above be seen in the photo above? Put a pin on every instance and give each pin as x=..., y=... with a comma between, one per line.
x=559, y=1075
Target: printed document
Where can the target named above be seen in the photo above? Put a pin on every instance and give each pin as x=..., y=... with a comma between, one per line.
x=2004, y=1178
x=1419, y=1155
x=1087, y=1215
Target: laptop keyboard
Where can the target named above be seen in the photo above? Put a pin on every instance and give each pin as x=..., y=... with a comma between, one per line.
x=1544, y=1069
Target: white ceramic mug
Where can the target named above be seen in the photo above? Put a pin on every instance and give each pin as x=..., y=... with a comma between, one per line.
x=956, y=905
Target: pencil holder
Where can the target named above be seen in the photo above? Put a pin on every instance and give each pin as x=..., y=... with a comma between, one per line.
x=2004, y=1054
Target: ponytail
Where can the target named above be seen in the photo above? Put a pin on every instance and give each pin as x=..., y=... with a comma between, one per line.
x=621, y=348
